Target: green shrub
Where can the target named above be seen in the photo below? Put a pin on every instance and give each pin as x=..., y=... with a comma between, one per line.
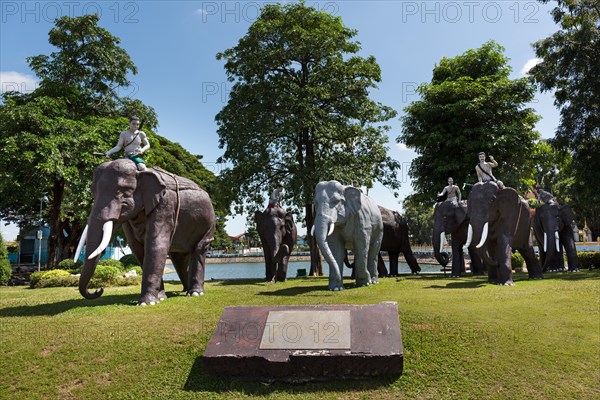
x=107, y=273
x=533, y=203
x=5, y=272
x=52, y=278
x=589, y=259
x=128, y=260
x=112, y=263
x=517, y=261
x=5, y=268
x=69, y=264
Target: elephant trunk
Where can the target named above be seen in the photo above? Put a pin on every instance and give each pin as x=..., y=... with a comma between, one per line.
x=479, y=236
x=438, y=246
x=322, y=229
x=97, y=238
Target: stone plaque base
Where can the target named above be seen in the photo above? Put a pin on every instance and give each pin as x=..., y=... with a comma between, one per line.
x=301, y=343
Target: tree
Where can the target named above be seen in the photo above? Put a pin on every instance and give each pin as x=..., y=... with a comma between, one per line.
x=569, y=67
x=299, y=112
x=47, y=137
x=419, y=218
x=469, y=106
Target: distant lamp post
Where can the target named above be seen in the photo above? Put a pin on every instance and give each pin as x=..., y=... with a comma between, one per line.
x=40, y=234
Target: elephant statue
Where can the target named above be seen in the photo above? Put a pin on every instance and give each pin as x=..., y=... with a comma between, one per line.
x=278, y=234
x=161, y=214
x=395, y=241
x=345, y=218
x=452, y=218
x=499, y=223
x=553, y=228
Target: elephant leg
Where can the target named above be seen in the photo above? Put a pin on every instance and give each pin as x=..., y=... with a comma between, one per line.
x=197, y=268
x=155, y=257
x=336, y=245
x=269, y=264
x=282, y=267
x=393, y=256
x=458, y=261
x=568, y=242
x=410, y=259
x=476, y=263
x=381, y=270
x=534, y=269
x=503, y=254
x=181, y=263
x=373, y=254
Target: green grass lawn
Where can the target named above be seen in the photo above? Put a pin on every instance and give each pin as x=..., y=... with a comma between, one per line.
x=463, y=339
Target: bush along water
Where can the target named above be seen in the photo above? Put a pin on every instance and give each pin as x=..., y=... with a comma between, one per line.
x=108, y=273
x=5, y=268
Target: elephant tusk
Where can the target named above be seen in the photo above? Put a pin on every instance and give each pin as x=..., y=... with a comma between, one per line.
x=331, y=227
x=469, y=236
x=557, y=242
x=545, y=243
x=81, y=243
x=106, y=235
x=312, y=231
x=442, y=241
x=483, y=236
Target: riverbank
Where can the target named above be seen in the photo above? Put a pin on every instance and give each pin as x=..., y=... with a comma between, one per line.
x=425, y=259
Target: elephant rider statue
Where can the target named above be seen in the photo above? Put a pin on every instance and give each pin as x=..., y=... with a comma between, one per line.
x=484, y=170
x=276, y=195
x=133, y=142
x=451, y=192
x=544, y=197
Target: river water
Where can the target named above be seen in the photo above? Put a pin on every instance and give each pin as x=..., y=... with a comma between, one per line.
x=257, y=270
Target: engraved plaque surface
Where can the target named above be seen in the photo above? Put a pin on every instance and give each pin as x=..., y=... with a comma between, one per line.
x=307, y=330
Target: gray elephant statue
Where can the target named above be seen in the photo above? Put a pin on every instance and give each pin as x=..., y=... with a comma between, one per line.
x=499, y=223
x=346, y=218
x=452, y=218
x=161, y=214
x=278, y=234
x=553, y=227
x=395, y=241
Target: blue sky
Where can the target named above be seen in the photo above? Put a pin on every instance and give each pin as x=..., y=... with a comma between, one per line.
x=174, y=43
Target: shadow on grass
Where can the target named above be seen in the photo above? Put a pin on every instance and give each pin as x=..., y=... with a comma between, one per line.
x=200, y=381
x=584, y=274
x=60, y=307
x=296, y=290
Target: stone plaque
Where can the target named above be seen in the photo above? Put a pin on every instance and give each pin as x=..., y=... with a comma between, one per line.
x=293, y=329
x=295, y=343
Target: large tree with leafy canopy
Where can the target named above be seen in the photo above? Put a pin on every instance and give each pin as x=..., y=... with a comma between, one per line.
x=569, y=66
x=470, y=105
x=47, y=137
x=300, y=112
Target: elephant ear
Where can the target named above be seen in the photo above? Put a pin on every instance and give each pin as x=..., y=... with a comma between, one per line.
x=152, y=188
x=258, y=218
x=353, y=200
x=506, y=203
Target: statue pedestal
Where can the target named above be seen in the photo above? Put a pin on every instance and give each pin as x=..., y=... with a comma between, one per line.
x=304, y=343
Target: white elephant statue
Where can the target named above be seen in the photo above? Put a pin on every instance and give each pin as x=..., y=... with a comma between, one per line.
x=345, y=218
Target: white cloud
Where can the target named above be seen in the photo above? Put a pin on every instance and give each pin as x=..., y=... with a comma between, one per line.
x=16, y=81
x=200, y=11
x=530, y=64
x=401, y=147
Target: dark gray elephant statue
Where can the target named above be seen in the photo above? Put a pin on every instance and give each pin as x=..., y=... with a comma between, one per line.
x=161, y=214
x=553, y=227
x=499, y=223
x=278, y=234
x=452, y=218
x=346, y=218
x=395, y=241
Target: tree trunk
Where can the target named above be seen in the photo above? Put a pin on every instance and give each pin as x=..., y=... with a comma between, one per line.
x=58, y=190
